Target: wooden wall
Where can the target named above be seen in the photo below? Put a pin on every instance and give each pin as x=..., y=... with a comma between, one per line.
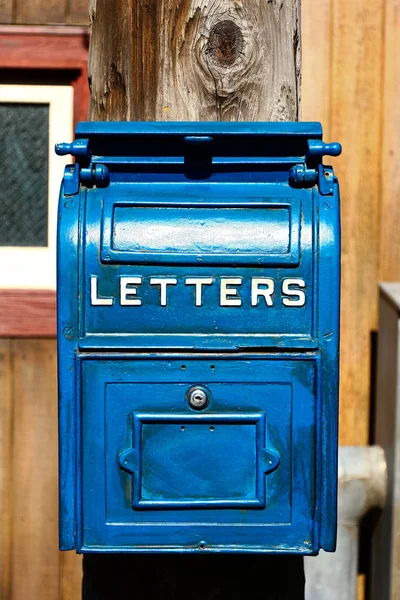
x=351, y=82
x=30, y=564
x=44, y=12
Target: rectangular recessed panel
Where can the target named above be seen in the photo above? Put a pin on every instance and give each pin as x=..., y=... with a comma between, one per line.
x=189, y=463
x=24, y=171
x=202, y=230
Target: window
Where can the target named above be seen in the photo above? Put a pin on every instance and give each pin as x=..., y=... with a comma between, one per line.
x=32, y=119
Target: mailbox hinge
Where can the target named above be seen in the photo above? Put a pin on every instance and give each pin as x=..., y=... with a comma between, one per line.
x=84, y=170
x=312, y=171
x=198, y=160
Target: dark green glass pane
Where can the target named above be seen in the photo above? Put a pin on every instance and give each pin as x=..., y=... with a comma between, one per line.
x=24, y=170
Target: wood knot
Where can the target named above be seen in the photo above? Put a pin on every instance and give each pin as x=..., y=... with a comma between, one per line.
x=225, y=43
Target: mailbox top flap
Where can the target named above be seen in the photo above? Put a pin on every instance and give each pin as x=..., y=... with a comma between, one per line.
x=171, y=142
x=218, y=128
x=107, y=152
x=202, y=235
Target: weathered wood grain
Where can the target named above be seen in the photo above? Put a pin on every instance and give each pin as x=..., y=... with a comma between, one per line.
x=35, y=556
x=194, y=60
x=77, y=12
x=356, y=109
x=6, y=11
x=316, y=31
x=40, y=12
x=389, y=256
x=6, y=413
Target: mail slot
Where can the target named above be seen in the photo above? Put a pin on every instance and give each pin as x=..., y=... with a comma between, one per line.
x=198, y=338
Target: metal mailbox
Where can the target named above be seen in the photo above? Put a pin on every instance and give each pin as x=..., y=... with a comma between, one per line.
x=198, y=329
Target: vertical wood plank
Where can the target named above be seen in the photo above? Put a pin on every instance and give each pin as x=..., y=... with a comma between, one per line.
x=70, y=576
x=316, y=24
x=390, y=191
x=356, y=112
x=35, y=556
x=77, y=12
x=5, y=467
x=40, y=12
x=6, y=11
x=207, y=60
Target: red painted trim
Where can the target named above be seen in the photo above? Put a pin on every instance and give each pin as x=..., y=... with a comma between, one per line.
x=61, y=49
x=81, y=96
x=27, y=313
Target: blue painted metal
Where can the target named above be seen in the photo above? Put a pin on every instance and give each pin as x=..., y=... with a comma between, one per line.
x=198, y=254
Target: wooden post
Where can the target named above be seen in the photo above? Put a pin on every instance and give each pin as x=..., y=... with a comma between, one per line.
x=219, y=60
x=206, y=60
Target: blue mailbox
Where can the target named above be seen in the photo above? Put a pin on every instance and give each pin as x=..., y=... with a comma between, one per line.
x=198, y=329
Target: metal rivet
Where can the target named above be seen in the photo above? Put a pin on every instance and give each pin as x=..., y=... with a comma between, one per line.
x=327, y=335
x=68, y=332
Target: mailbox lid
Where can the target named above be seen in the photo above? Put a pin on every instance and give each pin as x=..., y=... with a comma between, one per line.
x=160, y=476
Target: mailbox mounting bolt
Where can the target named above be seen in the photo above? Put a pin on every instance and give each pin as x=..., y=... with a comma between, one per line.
x=197, y=398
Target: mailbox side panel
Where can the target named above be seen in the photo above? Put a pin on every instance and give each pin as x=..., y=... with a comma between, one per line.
x=328, y=235
x=67, y=335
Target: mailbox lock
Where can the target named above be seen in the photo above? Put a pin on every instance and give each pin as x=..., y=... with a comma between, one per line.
x=198, y=398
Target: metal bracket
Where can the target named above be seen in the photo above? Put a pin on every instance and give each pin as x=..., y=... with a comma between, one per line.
x=93, y=175
x=326, y=179
x=78, y=148
x=87, y=173
x=317, y=149
x=301, y=176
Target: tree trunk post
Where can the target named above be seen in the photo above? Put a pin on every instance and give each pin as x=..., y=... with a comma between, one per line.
x=194, y=60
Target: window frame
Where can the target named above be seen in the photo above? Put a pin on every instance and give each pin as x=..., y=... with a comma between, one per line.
x=60, y=52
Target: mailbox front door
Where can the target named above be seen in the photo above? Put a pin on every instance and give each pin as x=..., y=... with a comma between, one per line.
x=237, y=473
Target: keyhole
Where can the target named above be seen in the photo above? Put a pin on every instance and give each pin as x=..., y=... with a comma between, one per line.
x=198, y=398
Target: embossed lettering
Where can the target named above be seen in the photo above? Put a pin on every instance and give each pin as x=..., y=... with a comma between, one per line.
x=94, y=299
x=163, y=282
x=226, y=292
x=287, y=290
x=260, y=292
x=199, y=282
x=126, y=291
x=266, y=291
